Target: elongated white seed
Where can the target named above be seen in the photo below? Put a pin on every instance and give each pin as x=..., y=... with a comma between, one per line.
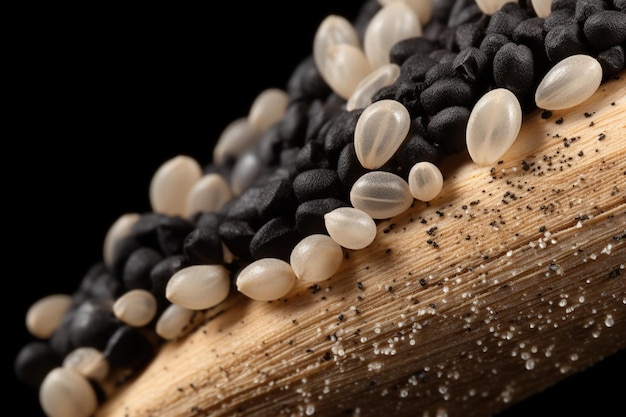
x=423, y=8
x=120, y=229
x=209, y=195
x=237, y=138
x=173, y=321
x=542, y=8
x=45, y=315
x=136, y=307
x=345, y=66
x=489, y=7
x=171, y=183
x=493, y=126
x=569, y=82
x=66, y=393
x=316, y=258
x=394, y=22
x=425, y=181
x=350, y=227
x=198, y=287
x=333, y=30
x=381, y=194
x=380, y=130
x=89, y=362
x=371, y=84
x=266, y=279
x=268, y=108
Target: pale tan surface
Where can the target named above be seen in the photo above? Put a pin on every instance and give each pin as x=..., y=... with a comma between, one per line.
x=523, y=286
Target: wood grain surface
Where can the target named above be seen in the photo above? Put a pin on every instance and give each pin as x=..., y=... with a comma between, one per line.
x=510, y=281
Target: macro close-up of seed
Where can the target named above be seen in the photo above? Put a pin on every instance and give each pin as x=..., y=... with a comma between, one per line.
x=408, y=206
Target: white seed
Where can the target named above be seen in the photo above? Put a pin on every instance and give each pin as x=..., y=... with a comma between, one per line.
x=333, y=30
x=394, y=22
x=66, y=393
x=268, y=108
x=493, y=126
x=569, y=82
x=89, y=362
x=423, y=8
x=371, y=84
x=425, y=181
x=237, y=138
x=346, y=65
x=542, y=8
x=171, y=183
x=136, y=307
x=173, y=321
x=209, y=195
x=489, y=7
x=198, y=287
x=380, y=130
x=246, y=170
x=266, y=279
x=119, y=230
x=316, y=258
x=381, y=194
x=350, y=227
x=45, y=315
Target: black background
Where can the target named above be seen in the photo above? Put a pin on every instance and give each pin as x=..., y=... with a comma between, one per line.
x=102, y=94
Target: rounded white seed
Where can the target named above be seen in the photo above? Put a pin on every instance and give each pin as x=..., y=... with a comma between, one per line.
x=120, y=229
x=394, y=22
x=542, y=8
x=173, y=321
x=266, y=279
x=45, y=315
x=422, y=8
x=371, y=84
x=350, y=227
x=333, y=30
x=136, y=307
x=268, y=108
x=237, y=138
x=380, y=130
x=381, y=194
x=171, y=183
x=316, y=258
x=210, y=194
x=489, y=7
x=569, y=82
x=493, y=126
x=346, y=65
x=245, y=172
x=198, y=287
x=89, y=362
x=425, y=181
x=66, y=393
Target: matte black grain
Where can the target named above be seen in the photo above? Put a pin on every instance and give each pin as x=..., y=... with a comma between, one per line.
x=318, y=183
x=469, y=35
x=204, y=246
x=513, y=69
x=307, y=82
x=98, y=284
x=406, y=48
x=565, y=40
x=244, y=207
x=309, y=215
x=611, y=61
x=91, y=324
x=33, y=362
x=447, y=129
x=416, y=148
x=503, y=23
x=605, y=29
x=236, y=235
x=349, y=168
x=292, y=127
x=161, y=274
x=275, y=239
x=276, y=197
x=339, y=133
x=311, y=155
x=471, y=64
x=558, y=18
x=445, y=93
x=585, y=8
x=415, y=67
x=171, y=233
x=491, y=43
x=128, y=348
x=136, y=274
x=211, y=220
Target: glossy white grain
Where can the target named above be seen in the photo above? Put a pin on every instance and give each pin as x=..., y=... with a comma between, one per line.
x=136, y=307
x=89, y=362
x=333, y=30
x=372, y=83
x=350, y=227
x=425, y=181
x=381, y=194
x=422, y=8
x=542, y=8
x=198, y=287
x=119, y=230
x=569, y=82
x=380, y=130
x=268, y=108
x=316, y=258
x=266, y=279
x=171, y=184
x=209, y=195
x=45, y=315
x=489, y=7
x=238, y=137
x=173, y=321
x=394, y=22
x=346, y=65
x=66, y=393
x=493, y=126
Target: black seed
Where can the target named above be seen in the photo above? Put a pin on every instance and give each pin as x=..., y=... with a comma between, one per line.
x=339, y=133
x=445, y=93
x=203, y=246
x=416, y=148
x=447, y=129
x=605, y=29
x=310, y=156
x=128, y=348
x=91, y=324
x=307, y=82
x=34, y=361
x=236, y=235
x=470, y=64
x=611, y=61
x=275, y=198
x=209, y=220
x=318, y=183
x=513, y=69
x=136, y=274
x=406, y=48
x=161, y=274
x=275, y=239
x=565, y=40
x=349, y=168
x=171, y=233
x=310, y=215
